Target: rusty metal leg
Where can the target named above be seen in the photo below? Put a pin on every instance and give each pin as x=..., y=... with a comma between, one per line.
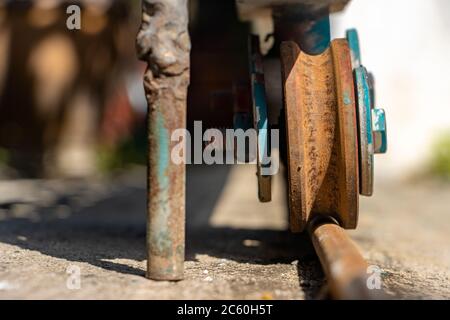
x=163, y=42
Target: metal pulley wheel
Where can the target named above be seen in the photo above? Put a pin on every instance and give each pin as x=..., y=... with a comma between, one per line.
x=321, y=129
x=333, y=131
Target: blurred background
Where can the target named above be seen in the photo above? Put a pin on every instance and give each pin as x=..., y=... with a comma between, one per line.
x=70, y=99
x=406, y=44
x=73, y=154
x=72, y=102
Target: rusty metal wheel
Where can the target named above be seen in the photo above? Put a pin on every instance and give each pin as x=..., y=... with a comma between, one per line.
x=321, y=130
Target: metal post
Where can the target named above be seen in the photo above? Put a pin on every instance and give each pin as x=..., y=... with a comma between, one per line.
x=163, y=42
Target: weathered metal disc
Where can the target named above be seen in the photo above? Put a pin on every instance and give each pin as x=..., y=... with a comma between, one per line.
x=321, y=134
x=261, y=121
x=366, y=147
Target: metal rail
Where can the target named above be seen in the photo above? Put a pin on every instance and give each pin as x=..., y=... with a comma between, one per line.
x=342, y=262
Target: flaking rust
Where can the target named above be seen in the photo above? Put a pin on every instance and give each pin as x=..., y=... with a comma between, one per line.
x=163, y=42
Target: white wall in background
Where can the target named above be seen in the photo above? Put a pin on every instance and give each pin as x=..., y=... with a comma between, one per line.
x=406, y=44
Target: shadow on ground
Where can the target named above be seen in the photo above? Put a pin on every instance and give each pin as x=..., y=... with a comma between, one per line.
x=113, y=227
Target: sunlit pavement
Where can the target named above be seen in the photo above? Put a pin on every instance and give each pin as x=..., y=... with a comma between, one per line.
x=86, y=239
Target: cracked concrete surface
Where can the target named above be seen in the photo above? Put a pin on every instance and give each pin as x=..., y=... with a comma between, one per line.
x=237, y=248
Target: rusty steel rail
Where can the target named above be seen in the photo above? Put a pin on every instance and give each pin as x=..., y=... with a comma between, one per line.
x=342, y=262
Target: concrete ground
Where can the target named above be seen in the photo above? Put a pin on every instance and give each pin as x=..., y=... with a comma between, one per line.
x=237, y=248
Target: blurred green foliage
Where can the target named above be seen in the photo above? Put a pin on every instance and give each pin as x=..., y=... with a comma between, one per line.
x=4, y=157
x=440, y=160
x=130, y=152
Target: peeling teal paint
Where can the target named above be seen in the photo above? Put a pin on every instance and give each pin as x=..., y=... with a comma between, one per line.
x=379, y=128
x=262, y=123
x=364, y=97
x=353, y=43
x=368, y=104
x=319, y=35
x=160, y=235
